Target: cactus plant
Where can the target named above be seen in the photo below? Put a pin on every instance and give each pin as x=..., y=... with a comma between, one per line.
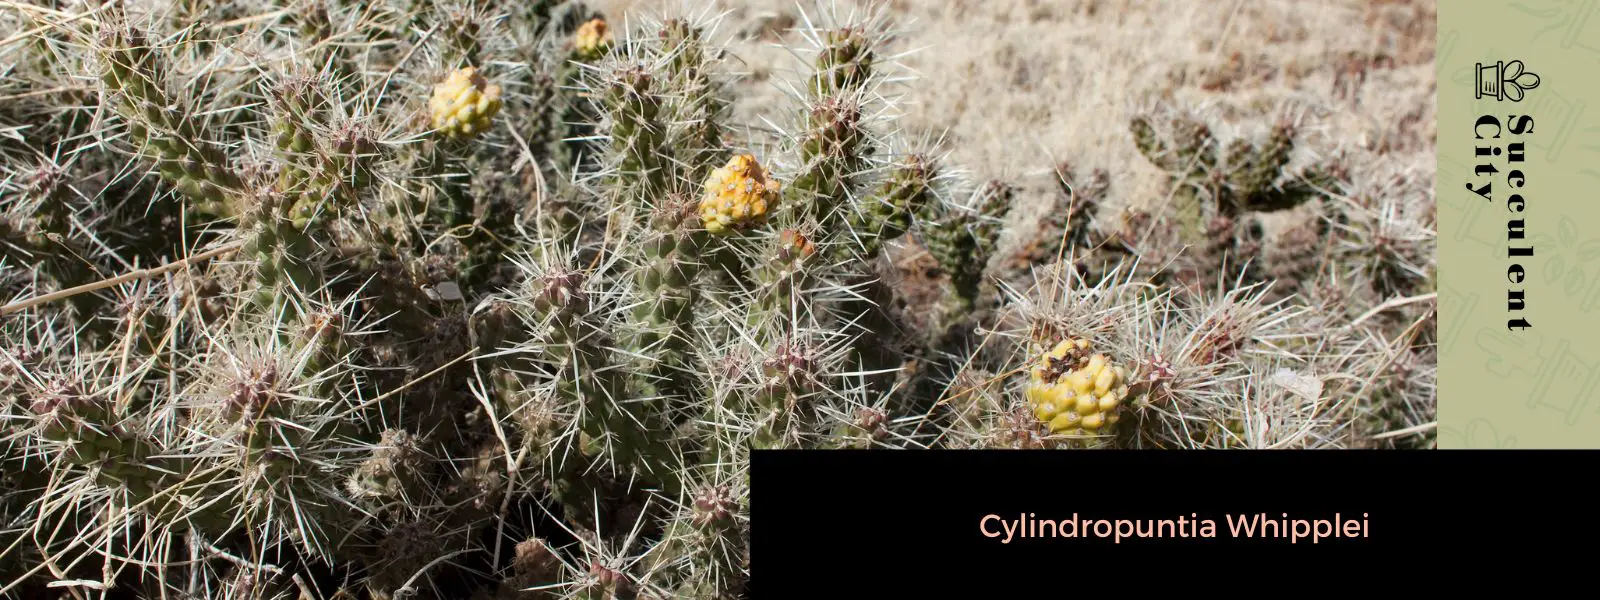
x=494, y=299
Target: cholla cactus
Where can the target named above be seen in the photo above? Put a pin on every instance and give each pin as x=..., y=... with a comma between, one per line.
x=520, y=344
x=1218, y=190
x=1066, y=232
x=964, y=238
x=134, y=74
x=887, y=215
x=463, y=103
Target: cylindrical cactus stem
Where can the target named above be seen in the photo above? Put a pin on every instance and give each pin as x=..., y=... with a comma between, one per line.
x=284, y=254
x=1151, y=145
x=133, y=71
x=698, y=144
x=322, y=335
x=886, y=216
x=295, y=104
x=844, y=63
x=1195, y=148
x=347, y=170
x=667, y=283
x=995, y=201
x=589, y=379
x=964, y=240
x=637, y=133
x=789, y=379
x=704, y=550
x=88, y=433
x=1190, y=156
x=279, y=444
x=681, y=42
x=569, y=120
x=876, y=220
x=782, y=276
x=947, y=239
x=320, y=181
x=832, y=147
x=1257, y=169
x=833, y=144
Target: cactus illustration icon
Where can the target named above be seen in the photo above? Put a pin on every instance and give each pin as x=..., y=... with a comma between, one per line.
x=1505, y=81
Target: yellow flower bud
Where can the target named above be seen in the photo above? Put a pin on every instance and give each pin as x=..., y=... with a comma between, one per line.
x=1076, y=392
x=463, y=104
x=738, y=196
x=592, y=39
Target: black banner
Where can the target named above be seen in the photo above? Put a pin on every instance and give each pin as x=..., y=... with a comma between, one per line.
x=901, y=523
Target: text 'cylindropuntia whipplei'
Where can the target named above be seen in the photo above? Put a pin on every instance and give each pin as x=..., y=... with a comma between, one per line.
x=494, y=299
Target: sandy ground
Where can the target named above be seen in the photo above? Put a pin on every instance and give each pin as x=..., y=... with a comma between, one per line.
x=1018, y=86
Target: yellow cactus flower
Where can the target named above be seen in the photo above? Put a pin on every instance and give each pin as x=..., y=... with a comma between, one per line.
x=1076, y=391
x=592, y=39
x=463, y=104
x=738, y=196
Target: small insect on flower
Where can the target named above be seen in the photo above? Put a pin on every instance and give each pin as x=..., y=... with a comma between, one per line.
x=1076, y=391
x=591, y=40
x=738, y=196
x=463, y=104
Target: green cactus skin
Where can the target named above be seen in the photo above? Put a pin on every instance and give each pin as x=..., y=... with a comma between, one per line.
x=845, y=62
x=887, y=216
x=964, y=240
x=833, y=148
x=590, y=380
x=637, y=134
x=134, y=73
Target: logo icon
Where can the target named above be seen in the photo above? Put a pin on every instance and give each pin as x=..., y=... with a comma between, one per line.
x=1505, y=80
